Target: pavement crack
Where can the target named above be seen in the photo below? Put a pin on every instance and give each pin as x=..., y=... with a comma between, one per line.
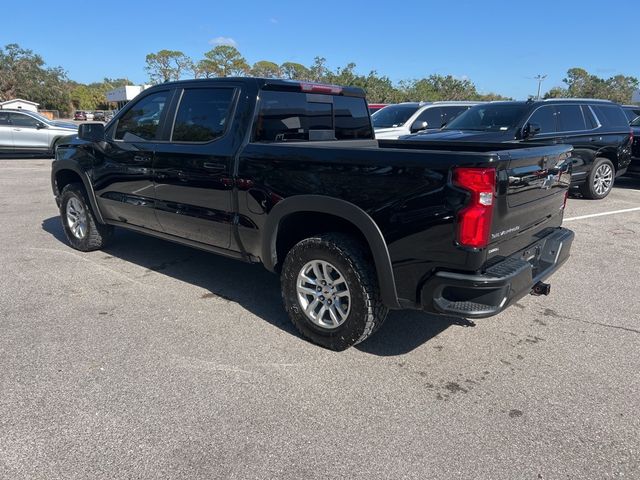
x=548, y=312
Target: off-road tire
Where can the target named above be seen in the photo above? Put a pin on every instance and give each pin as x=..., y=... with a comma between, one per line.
x=367, y=312
x=97, y=235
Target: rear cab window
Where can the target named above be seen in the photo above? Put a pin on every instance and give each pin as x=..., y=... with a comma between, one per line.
x=286, y=116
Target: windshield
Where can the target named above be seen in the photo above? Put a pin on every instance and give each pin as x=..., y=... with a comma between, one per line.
x=636, y=122
x=40, y=117
x=496, y=118
x=393, y=116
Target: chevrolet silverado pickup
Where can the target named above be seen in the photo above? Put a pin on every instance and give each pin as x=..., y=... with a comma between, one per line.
x=290, y=175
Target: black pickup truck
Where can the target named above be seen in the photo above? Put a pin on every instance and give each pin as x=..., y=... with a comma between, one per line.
x=289, y=174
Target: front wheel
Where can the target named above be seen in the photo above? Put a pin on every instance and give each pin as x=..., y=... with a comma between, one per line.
x=600, y=180
x=80, y=226
x=330, y=291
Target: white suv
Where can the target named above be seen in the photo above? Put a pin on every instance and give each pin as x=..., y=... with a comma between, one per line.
x=400, y=119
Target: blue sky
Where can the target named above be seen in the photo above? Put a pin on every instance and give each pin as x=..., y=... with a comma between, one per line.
x=499, y=45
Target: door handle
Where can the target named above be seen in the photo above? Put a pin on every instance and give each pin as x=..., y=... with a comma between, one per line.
x=140, y=158
x=17, y=129
x=214, y=166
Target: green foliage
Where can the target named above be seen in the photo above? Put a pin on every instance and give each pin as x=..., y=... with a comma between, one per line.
x=266, y=69
x=295, y=71
x=24, y=74
x=582, y=84
x=222, y=61
x=93, y=95
x=167, y=65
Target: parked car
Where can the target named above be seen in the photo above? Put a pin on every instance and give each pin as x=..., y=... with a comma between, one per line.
x=108, y=115
x=23, y=131
x=374, y=107
x=80, y=115
x=400, y=119
x=634, y=166
x=98, y=116
x=631, y=111
x=301, y=186
x=598, y=130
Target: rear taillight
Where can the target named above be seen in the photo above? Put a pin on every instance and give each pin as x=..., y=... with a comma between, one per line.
x=566, y=197
x=631, y=137
x=474, y=220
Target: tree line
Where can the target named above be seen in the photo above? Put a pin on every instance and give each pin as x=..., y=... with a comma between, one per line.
x=227, y=61
x=25, y=74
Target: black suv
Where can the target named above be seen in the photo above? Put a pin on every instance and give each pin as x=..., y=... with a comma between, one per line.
x=632, y=111
x=598, y=130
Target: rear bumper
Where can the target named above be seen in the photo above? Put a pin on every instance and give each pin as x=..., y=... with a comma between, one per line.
x=489, y=293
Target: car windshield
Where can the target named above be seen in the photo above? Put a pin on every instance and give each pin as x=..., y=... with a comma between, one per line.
x=636, y=122
x=393, y=116
x=498, y=117
x=40, y=117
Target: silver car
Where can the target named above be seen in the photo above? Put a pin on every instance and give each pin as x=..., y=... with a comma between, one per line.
x=23, y=131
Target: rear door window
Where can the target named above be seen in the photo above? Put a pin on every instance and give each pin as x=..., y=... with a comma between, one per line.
x=570, y=118
x=142, y=121
x=588, y=117
x=546, y=118
x=293, y=116
x=611, y=115
x=4, y=118
x=21, y=120
x=203, y=114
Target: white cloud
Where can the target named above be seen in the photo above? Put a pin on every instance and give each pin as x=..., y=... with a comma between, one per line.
x=223, y=41
x=273, y=20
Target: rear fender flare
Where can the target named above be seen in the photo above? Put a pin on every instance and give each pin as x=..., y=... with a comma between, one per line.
x=347, y=211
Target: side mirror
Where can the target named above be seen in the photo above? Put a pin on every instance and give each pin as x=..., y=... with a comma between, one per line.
x=40, y=126
x=418, y=126
x=530, y=130
x=91, y=132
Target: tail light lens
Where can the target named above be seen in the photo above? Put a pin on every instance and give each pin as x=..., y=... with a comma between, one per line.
x=631, y=137
x=474, y=220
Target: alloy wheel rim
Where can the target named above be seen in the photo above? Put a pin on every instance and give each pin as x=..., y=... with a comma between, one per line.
x=76, y=218
x=323, y=294
x=603, y=179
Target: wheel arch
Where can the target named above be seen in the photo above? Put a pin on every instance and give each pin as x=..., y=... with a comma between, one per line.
x=65, y=172
x=350, y=215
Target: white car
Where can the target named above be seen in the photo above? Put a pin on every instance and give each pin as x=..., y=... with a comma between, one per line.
x=400, y=119
x=23, y=131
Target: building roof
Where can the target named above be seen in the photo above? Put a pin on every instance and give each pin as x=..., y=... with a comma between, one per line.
x=18, y=100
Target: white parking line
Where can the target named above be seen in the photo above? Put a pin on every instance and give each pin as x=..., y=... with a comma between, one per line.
x=602, y=214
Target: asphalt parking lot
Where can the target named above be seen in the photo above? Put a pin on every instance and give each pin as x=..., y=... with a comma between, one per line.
x=153, y=360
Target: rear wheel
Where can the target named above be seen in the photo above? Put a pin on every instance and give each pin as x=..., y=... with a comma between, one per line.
x=600, y=180
x=80, y=226
x=330, y=291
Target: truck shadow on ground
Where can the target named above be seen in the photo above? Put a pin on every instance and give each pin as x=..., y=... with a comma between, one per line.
x=252, y=287
x=628, y=183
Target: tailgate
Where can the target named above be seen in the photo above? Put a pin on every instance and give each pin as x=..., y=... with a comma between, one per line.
x=530, y=196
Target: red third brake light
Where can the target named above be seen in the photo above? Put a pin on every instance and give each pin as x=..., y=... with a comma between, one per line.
x=474, y=220
x=319, y=88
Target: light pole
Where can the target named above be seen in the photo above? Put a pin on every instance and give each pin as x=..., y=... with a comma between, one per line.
x=540, y=78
